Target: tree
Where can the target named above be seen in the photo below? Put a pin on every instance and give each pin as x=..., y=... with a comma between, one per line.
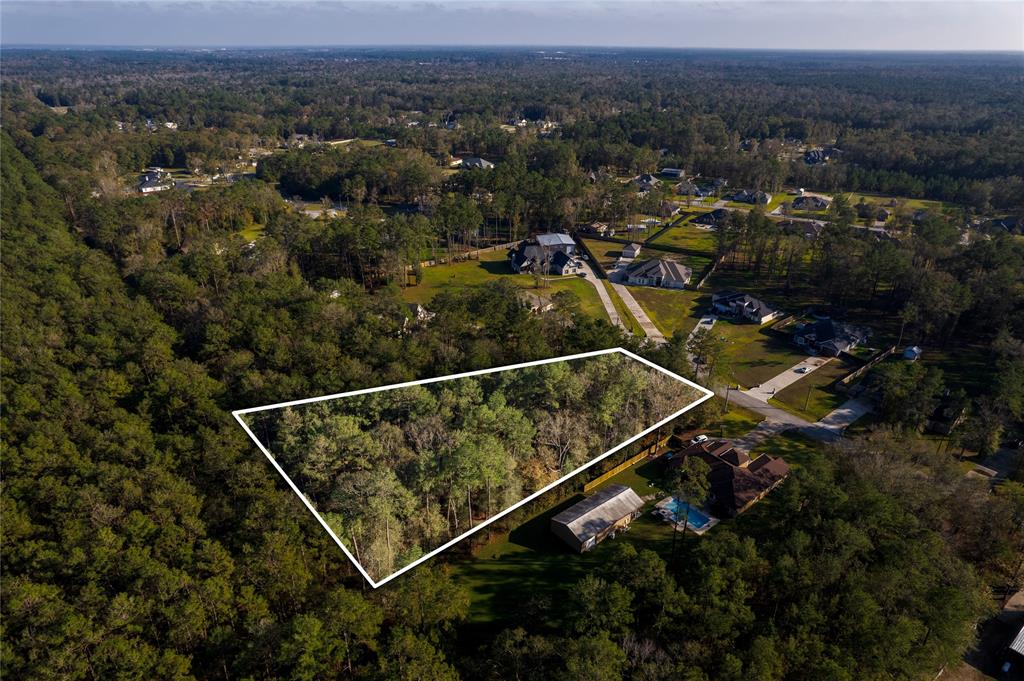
x=689, y=483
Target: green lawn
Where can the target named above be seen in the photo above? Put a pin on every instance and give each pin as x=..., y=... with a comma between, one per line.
x=736, y=422
x=689, y=237
x=606, y=252
x=624, y=314
x=672, y=311
x=820, y=400
x=252, y=232
x=492, y=266
x=753, y=354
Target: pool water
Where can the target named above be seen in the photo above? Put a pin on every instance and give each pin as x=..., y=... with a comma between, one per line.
x=695, y=518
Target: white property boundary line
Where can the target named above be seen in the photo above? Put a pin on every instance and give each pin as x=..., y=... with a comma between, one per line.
x=707, y=394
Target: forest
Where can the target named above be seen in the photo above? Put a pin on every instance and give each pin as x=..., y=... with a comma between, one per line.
x=144, y=536
x=398, y=473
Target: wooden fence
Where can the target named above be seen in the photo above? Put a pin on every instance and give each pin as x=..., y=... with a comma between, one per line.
x=466, y=255
x=646, y=452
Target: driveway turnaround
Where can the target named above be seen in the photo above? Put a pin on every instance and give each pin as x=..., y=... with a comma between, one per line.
x=634, y=307
x=767, y=390
x=602, y=293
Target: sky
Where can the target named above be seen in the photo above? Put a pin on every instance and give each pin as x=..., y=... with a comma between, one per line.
x=943, y=25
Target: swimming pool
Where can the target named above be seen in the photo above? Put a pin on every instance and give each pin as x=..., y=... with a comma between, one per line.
x=695, y=518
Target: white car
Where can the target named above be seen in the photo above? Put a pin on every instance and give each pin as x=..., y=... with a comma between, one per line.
x=697, y=440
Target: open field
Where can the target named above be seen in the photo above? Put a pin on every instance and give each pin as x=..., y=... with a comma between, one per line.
x=493, y=266
x=672, y=311
x=687, y=236
x=819, y=400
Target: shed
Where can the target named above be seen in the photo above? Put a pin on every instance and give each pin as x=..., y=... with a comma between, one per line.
x=584, y=525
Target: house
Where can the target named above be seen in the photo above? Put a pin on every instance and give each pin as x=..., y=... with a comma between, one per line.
x=814, y=157
x=155, y=180
x=673, y=172
x=828, y=337
x=806, y=228
x=646, y=183
x=810, y=203
x=870, y=211
x=737, y=481
x=631, y=251
x=757, y=198
x=912, y=353
x=742, y=306
x=599, y=228
x=392, y=142
x=476, y=163
x=714, y=218
x=417, y=313
x=546, y=254
x=687, y=188
x=585, y=525
x=667, y=209
x=658, y=272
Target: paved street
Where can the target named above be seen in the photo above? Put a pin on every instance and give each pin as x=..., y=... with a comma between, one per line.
x=634, y=307
x=767, y=390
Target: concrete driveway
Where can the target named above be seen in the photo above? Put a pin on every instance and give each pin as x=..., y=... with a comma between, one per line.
x=602, y=293
x=838, y=419
x=634, y=308
x=767, y=390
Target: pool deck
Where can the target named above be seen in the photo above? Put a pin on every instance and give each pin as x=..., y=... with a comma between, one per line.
x=660, y=509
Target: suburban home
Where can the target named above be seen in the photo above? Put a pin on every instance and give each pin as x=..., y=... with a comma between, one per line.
x=667, y=209
x=814, y=157
x=713, y=218
x=599, y=228
x=658, y=272
x=947, y=415
x=155, y=180
x=476, y=163
x=828, y=337
x=810, y=203
x=646, y=183
x=546, y=254
x=631, y=251
x=585, y=525
x=673, y=172
x=809, y=229
x=737, y=481
x=742, y=306
x=870, y=211
x=757, y=198
x=687, y=188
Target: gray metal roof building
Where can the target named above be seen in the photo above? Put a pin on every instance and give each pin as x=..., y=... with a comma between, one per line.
x=582, y=526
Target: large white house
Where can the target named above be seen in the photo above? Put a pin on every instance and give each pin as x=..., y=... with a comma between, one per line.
x=658, y=272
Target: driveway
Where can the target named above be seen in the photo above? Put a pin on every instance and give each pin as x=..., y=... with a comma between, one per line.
x=767, y=390
x=645, y=322
x=776, y=420
x=602, y=293
x=839, y=419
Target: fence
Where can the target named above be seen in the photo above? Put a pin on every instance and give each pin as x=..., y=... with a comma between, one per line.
x=466, y=255
x=844, y=382
x=646, y=452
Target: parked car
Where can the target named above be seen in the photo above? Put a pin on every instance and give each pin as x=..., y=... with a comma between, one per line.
x=803, y=370
x=697, y=440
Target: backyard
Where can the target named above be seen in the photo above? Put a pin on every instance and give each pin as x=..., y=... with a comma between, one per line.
x=754, y=354
x=673, y=311
x=491, y=266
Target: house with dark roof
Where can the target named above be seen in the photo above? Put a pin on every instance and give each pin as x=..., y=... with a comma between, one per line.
x=828, y=337
x=673, y=172
x=546, y=254
x=808, y=229
x=585, y=525
x=742, y=306
x=810, y=203
x=658, y=272
x=476, y=163
x=646, y=183
x=713, y=218
x=757, y=198
x=599, y=228
x=736, y=480
x=155, y=180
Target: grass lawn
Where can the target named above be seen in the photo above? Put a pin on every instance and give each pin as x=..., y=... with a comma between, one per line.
x=736, y=422
x=753, y=354
x=796, y=449
x=624, y=314
x=492, y=266
x=689, y=237
x=605, y=252
x=252, y=232
x=820, y=400
x=672, y=311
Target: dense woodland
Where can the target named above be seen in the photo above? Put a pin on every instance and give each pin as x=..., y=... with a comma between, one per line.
x=145, y=537
x=398, y=473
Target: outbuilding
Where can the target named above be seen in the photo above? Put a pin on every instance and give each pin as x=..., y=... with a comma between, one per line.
x=585, y=525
